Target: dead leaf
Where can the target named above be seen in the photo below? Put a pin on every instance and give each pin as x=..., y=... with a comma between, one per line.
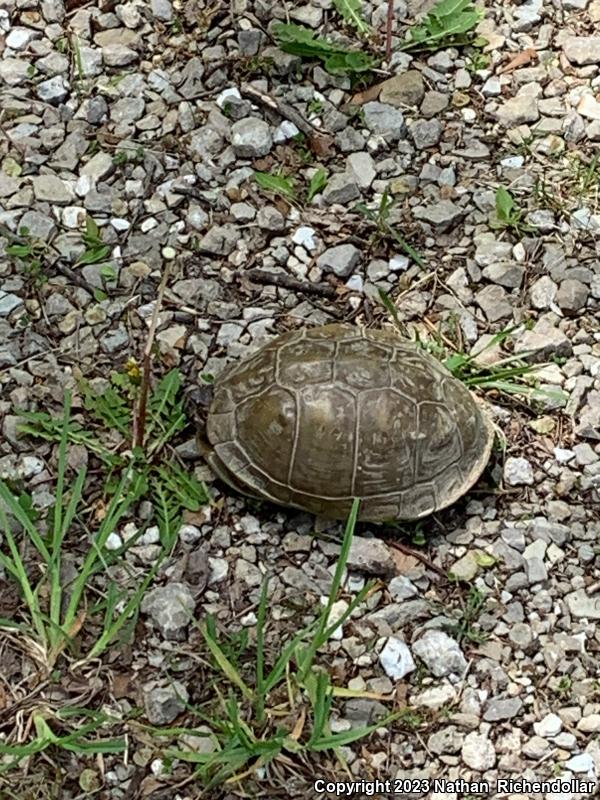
x=321, y=144
x=404, y=563
x=372, y=93
x=522, y=58
x=299, y=726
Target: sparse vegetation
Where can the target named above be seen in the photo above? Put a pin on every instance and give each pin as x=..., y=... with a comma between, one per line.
x=450, y=23
x=384, y=229
x=508, y=215
x=337, y=59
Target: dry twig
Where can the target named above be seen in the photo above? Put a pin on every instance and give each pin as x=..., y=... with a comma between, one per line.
x=139, y=421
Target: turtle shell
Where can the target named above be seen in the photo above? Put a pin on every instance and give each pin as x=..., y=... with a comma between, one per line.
x=321, y=415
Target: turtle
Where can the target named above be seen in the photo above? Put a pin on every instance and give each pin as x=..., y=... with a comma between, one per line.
x=319, y=416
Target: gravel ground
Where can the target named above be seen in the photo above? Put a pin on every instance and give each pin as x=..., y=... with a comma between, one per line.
x=150, y=118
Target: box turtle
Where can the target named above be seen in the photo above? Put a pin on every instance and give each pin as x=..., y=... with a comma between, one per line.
x=321, y=415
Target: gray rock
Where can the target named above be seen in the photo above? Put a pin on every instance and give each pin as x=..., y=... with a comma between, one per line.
x=521, y=636
x=162, y=10
x=527, y=15
x=164, y=704
x=170, y=607
x=38, y=225
x=8, y=303
x=478, y=752
x=465, y=568
x=502, y=708
x=116, y=340
x=494, y=303
x=518, y=472
x=362, y=167
x=405, y=89
x=19, y=37
x=364, y=712
x=396, y=658
x=518, y=110
x=51, y=189
x=582, y=50
x=585, y=454
x=251, y=138
x=219, y=240
x=90, y=61
x=583, y=605
x=341, y=259
x=536, y=570
x=192, y=81
x=370, y=555
x=441, y=654
x=426, y=133
x=307, y=15
x=249, y=41
x=434, y=103
x=447, y=740
x=543, y=292
x=97, y=110
x=507, y=273
x=341, y=188
x=384, y=119
x=490, y=250
x=118, y=55
x=54, y=90
x=543, y=219
x=545, y=340
x=442, y=215
x=270, y=218
x=572, y=296
x=401, y=588
x=100, y=166
x=14, y=71
x=202, y=741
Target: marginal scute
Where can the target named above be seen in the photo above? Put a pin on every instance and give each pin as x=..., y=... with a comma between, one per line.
x=321, y=415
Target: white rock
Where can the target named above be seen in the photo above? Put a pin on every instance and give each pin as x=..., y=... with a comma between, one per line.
x=113, y=541
x=226, y=95
x=150, y=536
x=219, y=567
x=583, y=605
x=305, y=236
x=31, y=466
x=190, y=534
x=582, y=762
x=355, y=283
x=396, y=658
x=589, y=107
x=441, y=654
x=338, y=609
x=19, y=38
x=549, y=726
x=436, y=697
x=478, y=752
x=518, y=472
x=563, y=456
x=286, y=130
x=73, y=216
x=398, y=263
